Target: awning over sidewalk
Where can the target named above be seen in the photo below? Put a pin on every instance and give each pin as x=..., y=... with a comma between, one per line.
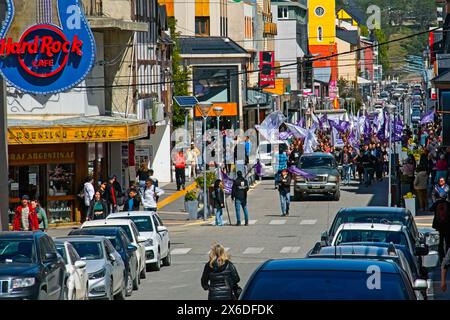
x=75, y=130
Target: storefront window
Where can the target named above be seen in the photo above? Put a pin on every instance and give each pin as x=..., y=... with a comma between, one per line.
x=61, y=179
x=59, y=211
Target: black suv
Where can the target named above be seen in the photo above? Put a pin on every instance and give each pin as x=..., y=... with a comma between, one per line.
x=30, y=267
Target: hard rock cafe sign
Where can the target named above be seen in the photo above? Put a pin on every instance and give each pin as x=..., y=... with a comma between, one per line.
x=46, y=46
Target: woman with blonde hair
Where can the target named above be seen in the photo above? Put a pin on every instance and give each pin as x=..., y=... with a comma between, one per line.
x=220, y=276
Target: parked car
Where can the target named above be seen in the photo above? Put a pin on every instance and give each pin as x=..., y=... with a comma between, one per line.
x=379, y=232
x=266, y=153
x=157, y=240
x=373, y=214
x=326, y=180
x=123, y=246
x=132, y=233
x=368, y=251
x=77, y=282
x=104, y=265
x=30, y=267
x=328, y=279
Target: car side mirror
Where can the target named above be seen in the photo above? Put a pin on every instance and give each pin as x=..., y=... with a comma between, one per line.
x=131, y=247
x=80, y=264
x=112, y=257
x=420, y=284
x=51, y=256
x=161, y=228
x=141, y=239
x=421, y=250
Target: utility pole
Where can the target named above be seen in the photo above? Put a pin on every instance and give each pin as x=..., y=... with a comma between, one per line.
x=4, y=187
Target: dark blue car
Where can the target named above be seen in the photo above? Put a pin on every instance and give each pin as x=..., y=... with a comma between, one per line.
x=30, y=267
x=124, y=247
x=328, y=279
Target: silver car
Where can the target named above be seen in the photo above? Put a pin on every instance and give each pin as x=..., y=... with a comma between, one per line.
x=326, y=176
x=104, y=265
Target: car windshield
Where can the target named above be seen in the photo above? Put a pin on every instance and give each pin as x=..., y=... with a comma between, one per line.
x=88, y=250
x=143, y=223
x=369, y=217
x=314, y=162
x=17, y=251
x=124, y=228
x=322, y=285
x=62, y=251
x=395, y=237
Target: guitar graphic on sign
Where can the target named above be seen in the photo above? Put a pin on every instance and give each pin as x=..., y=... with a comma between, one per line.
x=46, y=46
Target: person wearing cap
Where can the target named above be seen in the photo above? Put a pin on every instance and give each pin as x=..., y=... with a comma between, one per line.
x=25, y=217
x=284, y=189
x=239, y=196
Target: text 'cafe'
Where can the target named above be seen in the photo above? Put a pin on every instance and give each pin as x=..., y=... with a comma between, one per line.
x=51, y=163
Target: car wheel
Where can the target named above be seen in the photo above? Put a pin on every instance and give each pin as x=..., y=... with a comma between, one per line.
x=157, y=265
x=131, y=284
x=167, y=261
x=123, y=291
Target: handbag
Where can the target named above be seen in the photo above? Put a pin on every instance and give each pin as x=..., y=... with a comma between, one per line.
x=236, y=292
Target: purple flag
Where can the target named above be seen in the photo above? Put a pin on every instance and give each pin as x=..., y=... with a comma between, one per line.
x=300, y=172
x=322, y=120
x=285, y=135
x=301, y=122
x=398, y=129
x=227, y=183
x=427, y=118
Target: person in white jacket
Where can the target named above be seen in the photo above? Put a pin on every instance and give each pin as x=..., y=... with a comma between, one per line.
x=89, y=192
x=151, y=195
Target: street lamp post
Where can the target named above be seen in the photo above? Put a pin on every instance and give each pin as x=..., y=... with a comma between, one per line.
x=204, y=108
x=218, y=111
x=286, y=95
x=300, y=105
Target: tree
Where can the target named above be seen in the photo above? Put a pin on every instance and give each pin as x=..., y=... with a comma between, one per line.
x=383, y=49
x=180, y=75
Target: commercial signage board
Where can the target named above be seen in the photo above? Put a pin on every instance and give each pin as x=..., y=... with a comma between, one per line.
x=46, y=46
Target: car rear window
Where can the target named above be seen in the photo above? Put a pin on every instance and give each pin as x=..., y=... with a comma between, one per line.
x=124, y=228
x=88, y=250
x=370, y=217
x=323, y=285
x=395, y=237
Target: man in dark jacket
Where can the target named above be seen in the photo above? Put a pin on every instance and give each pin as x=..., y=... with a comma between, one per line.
x=284, y=189
x=111, y=195
x=239, y=196
x=132, y=202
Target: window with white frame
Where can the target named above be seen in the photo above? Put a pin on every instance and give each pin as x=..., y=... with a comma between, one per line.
x=283, y=13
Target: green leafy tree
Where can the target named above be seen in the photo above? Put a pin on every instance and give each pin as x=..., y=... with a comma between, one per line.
x=383, y=49
x=180, y=75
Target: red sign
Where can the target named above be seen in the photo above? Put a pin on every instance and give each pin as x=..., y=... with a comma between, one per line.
x=267, y=71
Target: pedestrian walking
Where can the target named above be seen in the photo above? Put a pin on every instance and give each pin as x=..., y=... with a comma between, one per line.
x=180, y=168
x=98, y=208
x=441, y=219
x=41, y=215
x=111, y=196
x=25, y=217
x=239, y=196
x=284, y=189
x=218, y=198
x=248, y=149
x=143, y=174
x=152, y=176
x=281, y=162
x=132, y=202
x=421, y=186
x=191, y=161
x=441, y=168
x=220, y=277
x=151, y=196
x=346, y=161
x=88, y=195
x=119, y=192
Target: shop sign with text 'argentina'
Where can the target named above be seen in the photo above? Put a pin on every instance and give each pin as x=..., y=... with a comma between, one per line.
x=46, y=46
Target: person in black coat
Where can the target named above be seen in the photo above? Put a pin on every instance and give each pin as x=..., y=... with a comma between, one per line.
x=284, y=189
x=98, y=208
x=218, y=198
x=220, y=276
x=132, y=202
x=239, y=196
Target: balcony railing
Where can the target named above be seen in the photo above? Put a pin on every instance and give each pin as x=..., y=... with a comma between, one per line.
x=270, y=28
x=93, y=8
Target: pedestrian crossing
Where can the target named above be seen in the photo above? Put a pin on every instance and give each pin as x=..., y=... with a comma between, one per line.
x=247, y=251
x=278, y=222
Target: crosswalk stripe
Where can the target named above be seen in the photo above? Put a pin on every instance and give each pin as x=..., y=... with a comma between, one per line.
x=304, y=222
x=277, y=221
x=252, y=221
x=253, y=250
x=180, y=251
x=290, y=250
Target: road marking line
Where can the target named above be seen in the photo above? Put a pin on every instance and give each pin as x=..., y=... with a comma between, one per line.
x=253, y=250
x=308, y=222
x=179, y=286
x=180, y=250
x=290, y=250
x=164, y=202
x=277, y=221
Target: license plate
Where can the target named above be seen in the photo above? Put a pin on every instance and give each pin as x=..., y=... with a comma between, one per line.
x=315, y=187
